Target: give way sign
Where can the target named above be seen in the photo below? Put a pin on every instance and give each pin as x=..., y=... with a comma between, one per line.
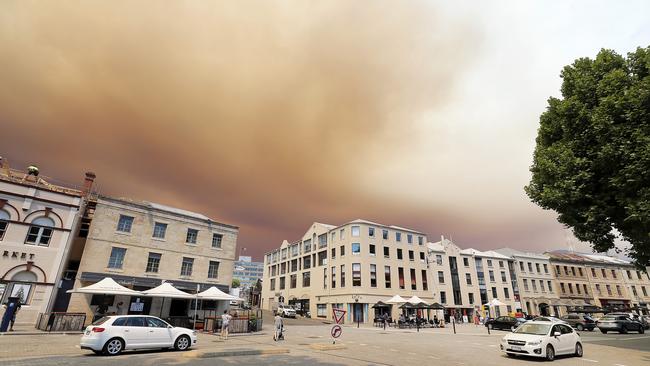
x=338, y=315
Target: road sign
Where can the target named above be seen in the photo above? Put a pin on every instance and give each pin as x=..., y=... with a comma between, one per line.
x=338, y=315
x=336, y=331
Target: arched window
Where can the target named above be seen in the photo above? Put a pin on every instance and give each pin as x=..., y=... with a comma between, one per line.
x=4, y=222
x=40, y=232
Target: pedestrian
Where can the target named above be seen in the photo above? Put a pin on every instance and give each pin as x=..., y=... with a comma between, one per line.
x=225, y=323
x=476, y=320
x=435, y=321
x=13, y=317
x=279, y=327
x=119, y=307
x=385, y=318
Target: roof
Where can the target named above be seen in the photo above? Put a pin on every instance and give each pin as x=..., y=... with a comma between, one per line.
x=478, y=253
x=517, y=253
x=565, y=255
x=23, y=178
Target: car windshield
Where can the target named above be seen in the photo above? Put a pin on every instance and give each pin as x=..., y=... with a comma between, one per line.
x=532, y=328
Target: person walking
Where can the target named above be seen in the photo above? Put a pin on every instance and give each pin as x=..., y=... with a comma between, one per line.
x=225, y=323
x=279, y=325
x=385, y=318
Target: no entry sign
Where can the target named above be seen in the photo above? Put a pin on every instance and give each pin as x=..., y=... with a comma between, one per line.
x=336, y=331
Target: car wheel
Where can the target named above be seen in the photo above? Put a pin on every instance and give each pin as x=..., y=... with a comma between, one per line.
x=580, y=327
x=182, y=343
x=578, y=352
x=113, y=347
x=550, y=353
x=623, y=330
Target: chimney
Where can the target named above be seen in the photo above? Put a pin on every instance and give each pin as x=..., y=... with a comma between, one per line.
x=88, y=183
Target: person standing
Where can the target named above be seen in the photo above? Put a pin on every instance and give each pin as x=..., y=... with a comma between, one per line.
x=13, y=317
x=277, y=335
x=225, y=323
x=119, y=308
x=385, y=318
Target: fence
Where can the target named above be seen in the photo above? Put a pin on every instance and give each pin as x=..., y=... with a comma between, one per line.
x=244, y=324
x=61, y=322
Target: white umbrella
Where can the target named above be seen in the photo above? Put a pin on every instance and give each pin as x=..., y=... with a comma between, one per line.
x=493, y=303
x=397, y=299
x=416, y=300
x=214, y=293
x=107, y=286
x=167, y=290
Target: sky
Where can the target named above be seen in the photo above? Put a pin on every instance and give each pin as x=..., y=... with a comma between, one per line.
x=272, y=115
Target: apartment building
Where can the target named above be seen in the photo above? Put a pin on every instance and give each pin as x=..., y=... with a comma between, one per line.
x=638, y=285
x=456, y=283
x=247, y=271
x=351, y=266
x=571, y=276
x=141, y=245
x=607, y=281
x=37, y=219
x=535, y=281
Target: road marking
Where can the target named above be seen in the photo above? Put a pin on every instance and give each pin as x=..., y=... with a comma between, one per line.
x=492, y=345
x=434, y=357
x=588, y=360
x=362, y=344
x=618, y=364
x=393, y=350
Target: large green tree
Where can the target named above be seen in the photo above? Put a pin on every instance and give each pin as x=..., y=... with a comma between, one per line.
x=592, y=160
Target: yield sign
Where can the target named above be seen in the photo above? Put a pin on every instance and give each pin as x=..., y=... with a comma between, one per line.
x=338, y=315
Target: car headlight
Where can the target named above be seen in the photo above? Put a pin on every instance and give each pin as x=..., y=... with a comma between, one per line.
x=535, y=343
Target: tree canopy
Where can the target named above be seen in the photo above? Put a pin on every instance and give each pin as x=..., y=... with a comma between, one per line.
x=592, y=159
x=235, y=283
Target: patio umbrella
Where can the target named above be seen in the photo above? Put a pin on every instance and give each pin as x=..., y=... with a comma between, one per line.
x=214, y=293
x=166, y=290
x=397, y=299
x=493, y=303
x=416, y=300
x=381, y=304
x=107, y=286
x=436, y=306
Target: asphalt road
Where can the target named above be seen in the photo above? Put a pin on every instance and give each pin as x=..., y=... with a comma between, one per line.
x=633, y=341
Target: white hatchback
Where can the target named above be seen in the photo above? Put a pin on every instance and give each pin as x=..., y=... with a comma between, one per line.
x=111, y=335
x=542, y=339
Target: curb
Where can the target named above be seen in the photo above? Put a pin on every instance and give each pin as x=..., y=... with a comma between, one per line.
x=38, y=333
x=236, y=352
x=327, y=346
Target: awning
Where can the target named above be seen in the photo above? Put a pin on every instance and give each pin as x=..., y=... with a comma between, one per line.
x=397, y=299
x=381, y=304
x=214, y=293
x=107, y=286
x=416, y=301
x=436, y=306
x=169, y=291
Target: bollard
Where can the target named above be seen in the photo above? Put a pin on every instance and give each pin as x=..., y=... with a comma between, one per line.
x=454, y=324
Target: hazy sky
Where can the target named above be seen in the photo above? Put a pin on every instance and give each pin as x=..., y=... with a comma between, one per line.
x=272, y=115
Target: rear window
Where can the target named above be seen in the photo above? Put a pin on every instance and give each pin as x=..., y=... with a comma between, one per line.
x=101, y=321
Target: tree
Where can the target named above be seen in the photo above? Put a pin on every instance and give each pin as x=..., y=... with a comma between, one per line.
x=235, y=283
x=592, y=160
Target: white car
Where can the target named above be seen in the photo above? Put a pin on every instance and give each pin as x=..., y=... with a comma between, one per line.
x=542, y=339
x=111, y=335
x=286, y=311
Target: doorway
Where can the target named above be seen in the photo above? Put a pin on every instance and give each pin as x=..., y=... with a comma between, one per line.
x=178, y=307
x=358, y=314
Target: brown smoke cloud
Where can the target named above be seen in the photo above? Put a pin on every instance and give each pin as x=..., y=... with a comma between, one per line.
x=259, y=114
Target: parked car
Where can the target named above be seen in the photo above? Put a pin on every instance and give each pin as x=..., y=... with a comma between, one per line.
x=542, y=339
x=504, y=322
x=640, y=318
x=580, y=322
x=111, y=335
x=286, y=311
x=619, y=323
x=548, y=319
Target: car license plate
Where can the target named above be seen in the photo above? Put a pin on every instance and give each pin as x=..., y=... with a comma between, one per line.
x=87, y=332
x=516, y=348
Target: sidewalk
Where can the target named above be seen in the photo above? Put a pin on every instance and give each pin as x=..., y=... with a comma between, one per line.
x=27, y=329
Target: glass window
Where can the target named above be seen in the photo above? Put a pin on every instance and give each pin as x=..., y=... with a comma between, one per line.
x=293, y=279
x=356, y=231
x=371, y=249
x=409, y=238
x=321, y=310
x=192, y=234
x=500, y=264
x=471, y=298
x=494, y=292
x=119, y=322
x=40, y=232
x=213, y=269
x=125, y=223
x=465, y=262
x=443, y=297
x=503, y=277
x=387, y=281
x=441, y=277
x=386, y=252
x=384, y=234
x=420, y=240
x=135, y=321
x=306, y=262
x=411, y=255
x=400, y=273
x=186, y=266
x=422, y=256
x=371, y=231
x=4, y=218
x=272, y=284
x=373, y=275
x=333, y=255
x=159, y=230
x=399, y=254
x=489, y=262
x=342, y=251
x=216, y=240
x=282, y=283
x=468, y=278
x=491, y=273
x=413, y=279
x=398, y=236
x=425, y=284
x=521, y=267
x=333, y=277
x=356, y=248
x=153, y=262
x=155, y=323
x=116, y=260
x=545, y=268
x=439, y=259
x=356, y=274
x=306, y=279
x=342, y=275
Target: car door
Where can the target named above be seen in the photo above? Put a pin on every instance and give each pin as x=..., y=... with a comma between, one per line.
x=567, y=339
x=553, y=340
x=159, y=334
x=135, y=332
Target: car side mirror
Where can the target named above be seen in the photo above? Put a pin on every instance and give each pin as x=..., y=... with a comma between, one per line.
x=513, y=329
x=556, y=334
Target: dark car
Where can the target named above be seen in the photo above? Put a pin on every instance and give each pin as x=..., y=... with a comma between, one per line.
x=619, y=323
x=503, y=322
x=580, y=322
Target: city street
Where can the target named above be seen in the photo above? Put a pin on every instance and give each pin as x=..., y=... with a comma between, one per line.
x=366, y=345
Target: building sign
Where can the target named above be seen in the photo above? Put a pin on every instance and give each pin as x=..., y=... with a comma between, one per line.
x=18, y=255
x=137, y=306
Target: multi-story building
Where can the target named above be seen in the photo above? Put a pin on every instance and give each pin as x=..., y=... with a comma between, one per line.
x=572, y=280
x=535, y=281
x=37, y=219
x=495, y=280
x=607, y=281
x=456, y=283
x=142, y=244
x=638, y=284
x=351, y=266
x=247, y=271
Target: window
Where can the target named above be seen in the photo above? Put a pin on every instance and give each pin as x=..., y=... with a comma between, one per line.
x=342, y=251
x=521, y=266
x=333, y=256
x=155, y=323
x=413, y=280
x=40, y=232
x=116, y=259
x=322, y=241
x=186, y=266
x=274, y=270
x=322, y=258
x=192, y=234
x=465, y=262
x=545, y=268
x=409, y=238
x=293, y=279
x=306, y=280
x=356, y=231
x=537, y=267
x=602, y=271
x=342, y=275
x=645, y=292
x=503, y=277
x=593, y=272
x=306, y=262
x=468, y=278
x=420, y=240
x=398, y=236
x=494, y=292
x=500, y=264
x=4, y=217
x=282, y=283
x=384, y=234
x=341, y=234
x=598, y=289
x=489, y=262
x=213, y=269
x=135, y=321
x=333, y=236
x=356, y=274
x=585, y=287
x=356, y=248
x=629, y=274
x=580, y=271
x=399, y=254
x=371, y=231
x=422, y=257
x=333, y=277
x=373, y=275
x=216, y=240
x=153, y=263
x=562, y=287
x=573, y=271
x=613, y=273
x=411, y=255
x=441, y=277
x=570, y=288
x=321, y=310
x=541, y=286
x=471, y=298
x=506, y=293
x=387, y=281
x=443, y=297
x=638, y=275
x=371, y=249
x=425, y=284
x=306, y=246
x=557, y=270
x=534, y=283
x=491, y=273
x=439, y=259
x=550, y=286
x=125, y=223
x=386, y=252
x=525, y=284
x=618, y=290
x=609, y=289
x=400, y=273
x=159, y=230
x=272, y=284
x=530, y=267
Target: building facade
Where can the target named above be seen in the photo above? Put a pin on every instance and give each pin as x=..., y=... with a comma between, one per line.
x=37, y=222
x=351, y=266
x=536, y=283
x=572, y=280
x=247, y=271
x=142, y=244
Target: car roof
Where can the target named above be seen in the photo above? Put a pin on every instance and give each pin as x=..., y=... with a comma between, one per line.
x=130, y=316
